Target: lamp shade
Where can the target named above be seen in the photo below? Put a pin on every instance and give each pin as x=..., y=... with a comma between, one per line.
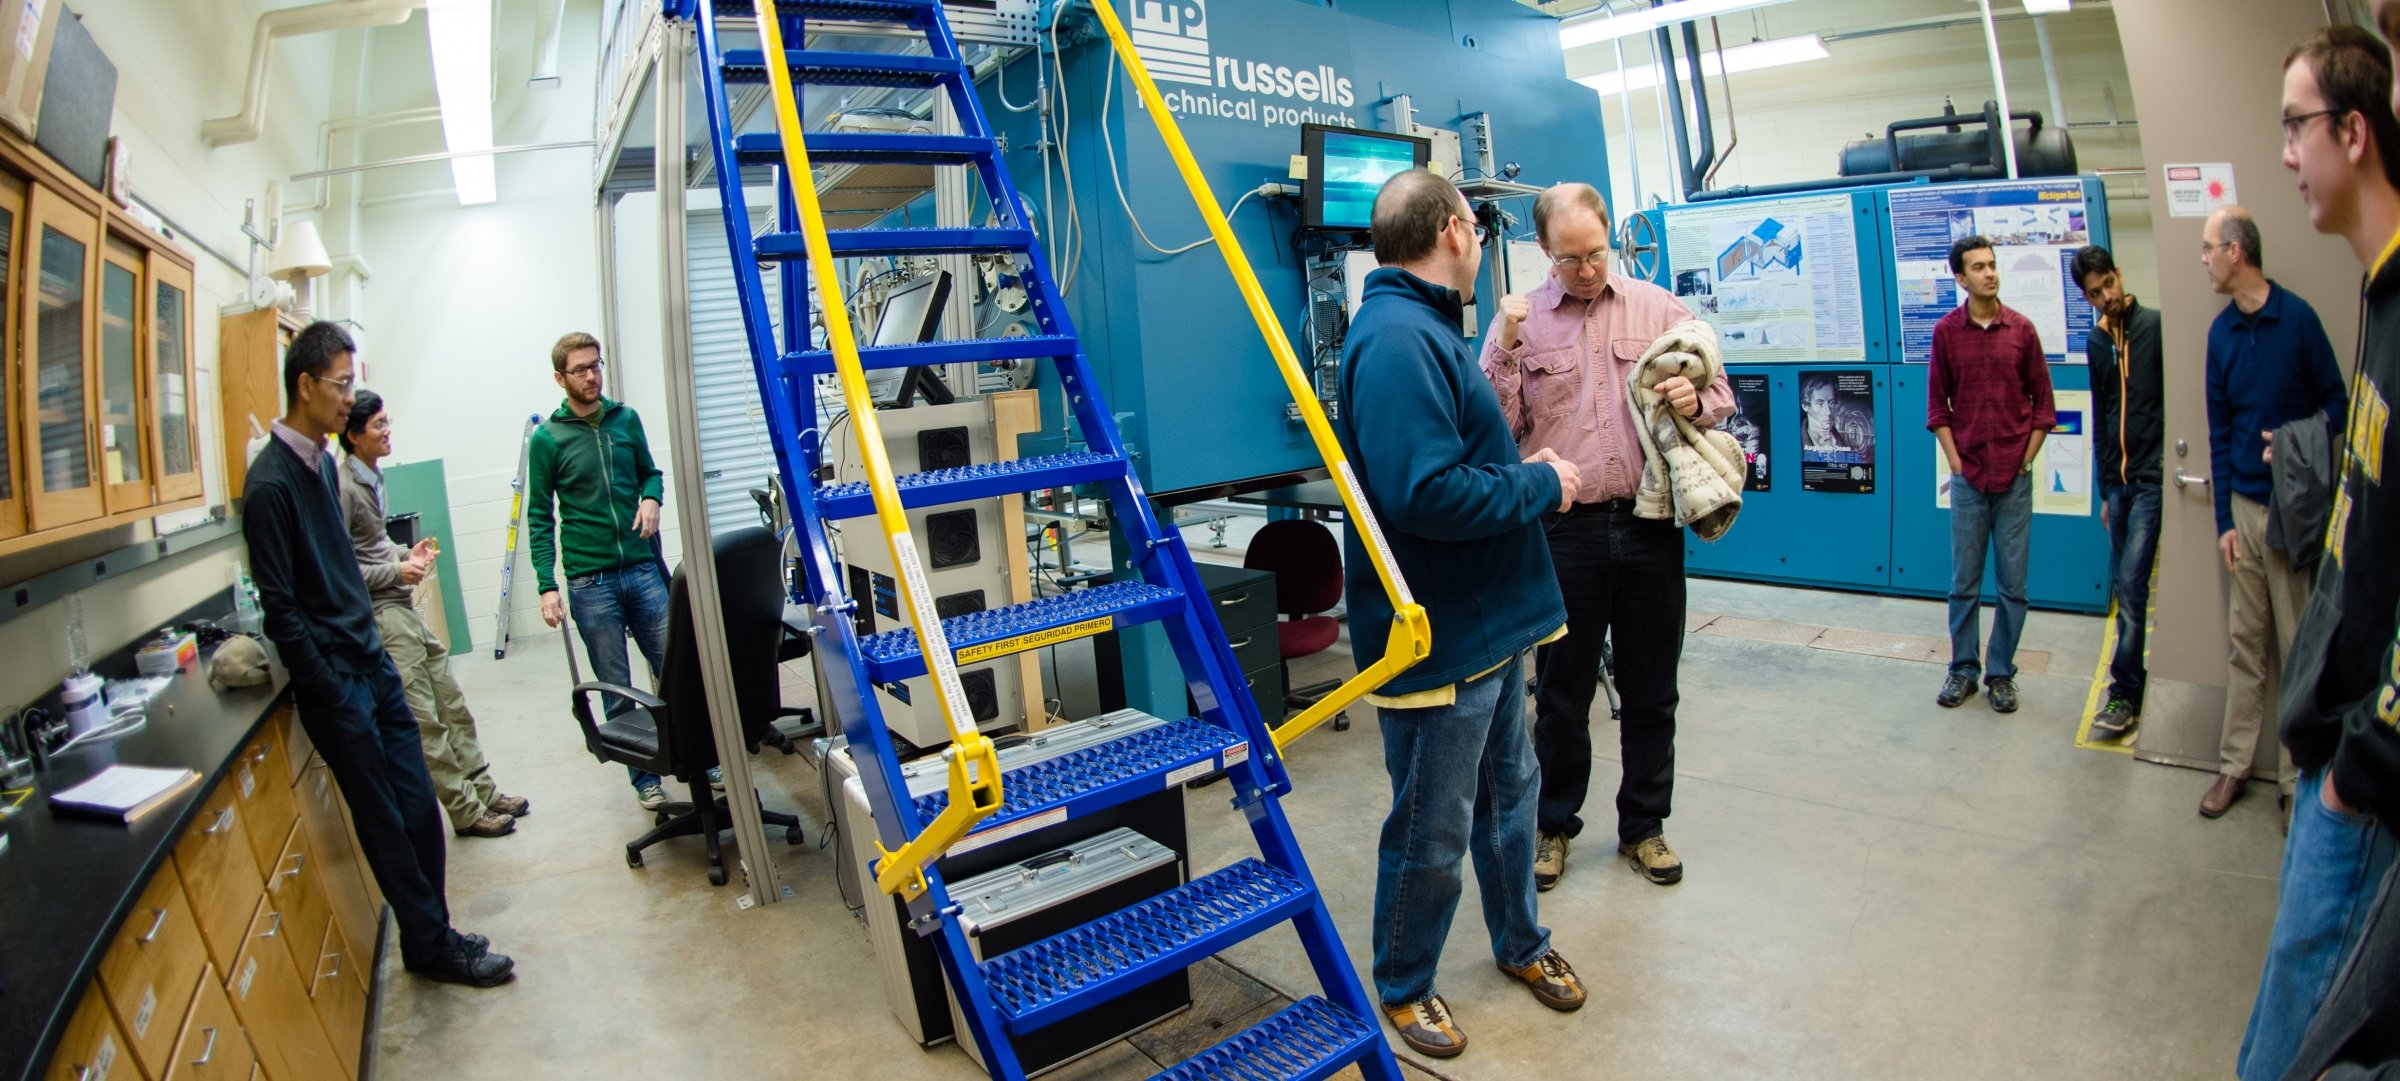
x=300, y=254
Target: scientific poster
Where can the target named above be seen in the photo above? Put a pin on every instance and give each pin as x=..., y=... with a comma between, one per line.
x=1837, y=432
x=2035, y=226
x=2062, y=470
x=1777, y=278
x=1751, y=426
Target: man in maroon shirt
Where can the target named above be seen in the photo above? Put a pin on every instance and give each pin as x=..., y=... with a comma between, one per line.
x=1987, y=400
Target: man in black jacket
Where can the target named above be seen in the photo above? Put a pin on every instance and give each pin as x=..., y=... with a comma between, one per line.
x=2128, y=391
x=2344, y=681
x=2341, y=685
x=349, y=695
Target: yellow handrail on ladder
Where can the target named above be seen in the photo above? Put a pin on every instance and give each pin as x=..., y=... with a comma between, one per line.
x=1411, y=637
x=974, y=762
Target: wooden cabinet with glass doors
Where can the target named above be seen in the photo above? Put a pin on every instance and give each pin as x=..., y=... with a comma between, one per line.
x=97, y=402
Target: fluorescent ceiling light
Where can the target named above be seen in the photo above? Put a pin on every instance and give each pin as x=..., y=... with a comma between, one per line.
x=1751, y=57
x=2046, y=7
x=1592, y=31
x=461, y=33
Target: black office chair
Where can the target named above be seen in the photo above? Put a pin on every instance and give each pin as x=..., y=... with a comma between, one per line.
x=668, y=733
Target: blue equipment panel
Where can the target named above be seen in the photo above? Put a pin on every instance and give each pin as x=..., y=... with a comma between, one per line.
x=1788, y=278
x=1788, y=534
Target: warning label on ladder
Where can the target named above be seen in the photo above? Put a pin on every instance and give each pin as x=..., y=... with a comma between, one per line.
x=1035, y=640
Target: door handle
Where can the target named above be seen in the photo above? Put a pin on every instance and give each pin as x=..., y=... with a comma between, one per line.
x=2183, y=479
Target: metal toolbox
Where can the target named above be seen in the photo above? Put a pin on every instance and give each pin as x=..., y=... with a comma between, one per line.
x=1056, y=891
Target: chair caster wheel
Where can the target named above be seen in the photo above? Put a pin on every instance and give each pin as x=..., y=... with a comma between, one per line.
x=793, y=836
x=716, y=876
x=632, y=858
x=1341, y=721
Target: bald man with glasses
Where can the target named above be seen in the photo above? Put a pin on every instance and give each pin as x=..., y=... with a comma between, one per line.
x=1560, y=357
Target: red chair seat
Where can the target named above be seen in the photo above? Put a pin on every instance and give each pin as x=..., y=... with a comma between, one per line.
x=1306, y=635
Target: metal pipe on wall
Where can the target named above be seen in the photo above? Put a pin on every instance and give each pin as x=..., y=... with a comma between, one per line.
x=1633, y=146
x=244, y=125
x=1672, y=80
x=2041, y=35
x=1705, y=160
x=1991, y=41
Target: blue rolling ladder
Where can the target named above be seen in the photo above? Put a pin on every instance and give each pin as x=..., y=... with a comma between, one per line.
x=1034, y=986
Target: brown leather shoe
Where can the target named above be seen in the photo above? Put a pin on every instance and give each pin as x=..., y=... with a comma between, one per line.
x=512, y=806
x=492, y=824
x=1426, y=1027
x=2221, y=795
x=1552, y=981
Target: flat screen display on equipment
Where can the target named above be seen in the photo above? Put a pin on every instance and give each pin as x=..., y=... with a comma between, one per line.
x=912, y=312
x=1346, y=167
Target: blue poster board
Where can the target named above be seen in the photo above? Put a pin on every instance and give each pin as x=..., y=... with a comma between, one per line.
x=1791, y=535
x=2035, y=226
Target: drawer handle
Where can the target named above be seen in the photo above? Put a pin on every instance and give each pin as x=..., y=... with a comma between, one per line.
x=264, y=749
x=210, y=1051
x=155, y=926
x=299, y=860
x=82, y=1072
x=224, y=819
x=1250, y=682
x=1245, y=640
x=336, y=958
x=1234, y=601
x=274, y=927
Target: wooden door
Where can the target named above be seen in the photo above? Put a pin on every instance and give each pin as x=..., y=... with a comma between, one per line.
x=118, y=331
x=249, y=387
x=58, y=387
x=91, y=1048
x=173, y=384
x=148, y=973
x=274, y=1006
x=220, y=876
x=343, y=872
x=12, y=271
x=340, y=998
x=213, y=1045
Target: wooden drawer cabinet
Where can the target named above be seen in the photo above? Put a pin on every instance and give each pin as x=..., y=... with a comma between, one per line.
x=262, y=787
x=343, y=875
x=213, y=1045
x=298, y=750
x=92, y=1049
x=296, y=888
x=220, y=878
x=274, y=1006
x=148, y=973
x=340, y=997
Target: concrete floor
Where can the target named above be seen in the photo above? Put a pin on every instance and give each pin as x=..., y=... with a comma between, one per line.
x=1877, y=888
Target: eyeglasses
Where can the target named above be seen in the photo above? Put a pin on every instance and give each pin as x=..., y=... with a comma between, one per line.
x=380, y=425
x=1573, y=263
x=1477, y=227
x=581, y=370
x=343, y=385
x=2207, y=249
x=2293, y=124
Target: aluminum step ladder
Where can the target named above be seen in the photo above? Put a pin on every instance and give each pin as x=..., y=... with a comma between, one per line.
x=1036, y=985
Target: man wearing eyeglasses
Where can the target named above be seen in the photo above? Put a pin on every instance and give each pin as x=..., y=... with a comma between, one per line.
x=2340, y=700
x=1559, y=358
x=592, y=460
x=348, y=692
x=2269, y=363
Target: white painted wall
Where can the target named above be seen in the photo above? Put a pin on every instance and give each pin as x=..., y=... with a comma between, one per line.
x=179, y=62
x=465, y=302
x=1793, y=120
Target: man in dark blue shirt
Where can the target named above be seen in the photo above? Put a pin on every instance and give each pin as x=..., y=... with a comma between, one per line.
x=2269, y=363
x=1440, y=470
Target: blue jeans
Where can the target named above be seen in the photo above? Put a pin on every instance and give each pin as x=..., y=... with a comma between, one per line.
x=2003, y=523
x=1463, y=783
x=2331, y=866
x=2132, y=547
x=608, y=606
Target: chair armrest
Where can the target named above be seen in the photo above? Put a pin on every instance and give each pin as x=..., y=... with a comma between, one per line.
x=579, y=703
x=644, y=699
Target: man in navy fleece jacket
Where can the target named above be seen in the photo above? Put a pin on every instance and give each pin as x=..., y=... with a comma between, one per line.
x=1463, y=515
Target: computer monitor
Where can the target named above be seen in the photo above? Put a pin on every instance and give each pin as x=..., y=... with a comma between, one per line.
x=911, y=314
x=1346, y=167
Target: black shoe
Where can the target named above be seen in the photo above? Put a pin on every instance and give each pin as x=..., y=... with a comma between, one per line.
x=2003, y=692
x=1956, y=689
x=476, y=944
x=459, y=964
x=2115, y=721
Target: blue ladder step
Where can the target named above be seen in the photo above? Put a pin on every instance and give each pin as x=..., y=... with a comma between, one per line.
x=1067, y=973
x=1111, y=773
x=883, y=11
x=1305, y=1041
x=926, y=240
x=766, y=148
x=935, y=354
x=822, y=68
x=894, y=655
x=982, y=481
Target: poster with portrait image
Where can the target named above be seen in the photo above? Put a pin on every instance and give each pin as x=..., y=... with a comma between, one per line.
x=1837, y=432
x=1749, y=426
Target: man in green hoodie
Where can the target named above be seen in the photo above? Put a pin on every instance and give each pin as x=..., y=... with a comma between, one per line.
x=592, y=461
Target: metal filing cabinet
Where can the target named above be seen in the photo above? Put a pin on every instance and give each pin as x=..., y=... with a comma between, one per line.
x=1025, y=902
x=1245, y=606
